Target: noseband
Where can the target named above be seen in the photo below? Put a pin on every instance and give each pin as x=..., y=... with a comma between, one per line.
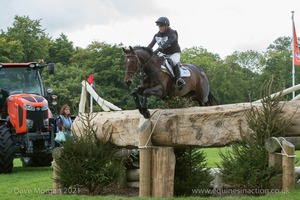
x=139, y=63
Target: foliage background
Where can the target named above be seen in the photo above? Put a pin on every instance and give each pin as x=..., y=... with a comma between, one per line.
x=237, y=78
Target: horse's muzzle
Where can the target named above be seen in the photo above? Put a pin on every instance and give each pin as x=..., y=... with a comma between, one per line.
x=128, y=82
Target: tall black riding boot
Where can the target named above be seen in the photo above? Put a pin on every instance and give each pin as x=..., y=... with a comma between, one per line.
x=179, y=81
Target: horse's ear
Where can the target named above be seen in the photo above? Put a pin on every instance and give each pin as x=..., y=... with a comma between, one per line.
x=131, y=49
x=125, y=50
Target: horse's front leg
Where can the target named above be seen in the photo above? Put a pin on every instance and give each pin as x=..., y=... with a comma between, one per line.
x=140, y=105
x=136, y=98
x=156, y=91
x=145, y=111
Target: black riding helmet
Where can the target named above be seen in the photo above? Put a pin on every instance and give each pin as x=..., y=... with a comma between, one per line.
x=163, y=20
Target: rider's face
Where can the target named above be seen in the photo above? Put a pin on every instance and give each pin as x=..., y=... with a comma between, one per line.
x=162, y=28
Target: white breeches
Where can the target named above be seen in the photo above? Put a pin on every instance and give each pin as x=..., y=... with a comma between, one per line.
x=175, y=58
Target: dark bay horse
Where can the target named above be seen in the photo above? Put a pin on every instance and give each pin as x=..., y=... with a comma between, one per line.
x=155, y=81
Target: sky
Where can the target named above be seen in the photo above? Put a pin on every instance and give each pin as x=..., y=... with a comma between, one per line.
x=220, y=26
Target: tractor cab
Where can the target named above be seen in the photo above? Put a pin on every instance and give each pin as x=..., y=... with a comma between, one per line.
x=25, y=121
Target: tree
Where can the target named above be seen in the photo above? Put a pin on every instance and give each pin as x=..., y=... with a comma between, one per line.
x=252, y=60
x=226, y=78
x=61, y=50
x=106, y=63
x=250, y=64
x=66, y=83
x=10, y=51
x=279, y=64
x=31, y=37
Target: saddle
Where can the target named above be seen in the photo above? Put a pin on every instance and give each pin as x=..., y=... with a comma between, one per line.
x=167, y=68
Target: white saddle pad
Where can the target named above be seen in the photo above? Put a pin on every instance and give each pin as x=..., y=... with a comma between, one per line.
x=183, y=70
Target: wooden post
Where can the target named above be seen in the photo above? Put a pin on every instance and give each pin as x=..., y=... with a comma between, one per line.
x=56, y=185
x=56, y=153
x=163, y=170
x=275, y=160
x=288, y=165
x=145, y=158
x=273, y=146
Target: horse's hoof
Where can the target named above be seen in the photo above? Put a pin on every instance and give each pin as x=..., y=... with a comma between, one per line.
x=146, y=114
x=141, y=111
x=134, y=91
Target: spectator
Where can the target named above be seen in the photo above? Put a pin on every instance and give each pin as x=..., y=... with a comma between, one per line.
x=65, y=121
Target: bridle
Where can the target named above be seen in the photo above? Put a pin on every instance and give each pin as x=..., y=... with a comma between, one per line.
x=137, y=68
x=140, y=67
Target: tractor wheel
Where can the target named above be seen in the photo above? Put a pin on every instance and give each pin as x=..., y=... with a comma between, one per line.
x=6, y=150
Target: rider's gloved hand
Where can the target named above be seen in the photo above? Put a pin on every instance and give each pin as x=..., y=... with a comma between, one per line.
x=159, y=49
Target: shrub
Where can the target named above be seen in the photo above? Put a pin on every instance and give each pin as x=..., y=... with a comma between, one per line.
x=191, y=171
x=88, y=162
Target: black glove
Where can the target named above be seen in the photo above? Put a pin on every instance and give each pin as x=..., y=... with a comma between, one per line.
x=159, y=49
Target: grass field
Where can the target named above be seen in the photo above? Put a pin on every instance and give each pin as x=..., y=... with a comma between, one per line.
x=36, y=183
x=212, y=156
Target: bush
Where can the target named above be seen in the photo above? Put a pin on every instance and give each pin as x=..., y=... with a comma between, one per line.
x=88, y=162
x=191, y=171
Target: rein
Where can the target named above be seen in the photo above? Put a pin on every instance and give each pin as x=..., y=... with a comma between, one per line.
x=142, y=65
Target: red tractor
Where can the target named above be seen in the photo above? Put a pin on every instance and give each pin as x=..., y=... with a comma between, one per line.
x=26, y=122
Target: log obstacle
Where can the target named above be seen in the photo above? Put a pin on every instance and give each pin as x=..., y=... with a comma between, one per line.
x=214, y=126
x=133, y=177
x=282, y=156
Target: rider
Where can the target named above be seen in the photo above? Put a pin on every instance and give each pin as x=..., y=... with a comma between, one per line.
x=167, y=40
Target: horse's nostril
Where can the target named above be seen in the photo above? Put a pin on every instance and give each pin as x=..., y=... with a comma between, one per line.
x=128, y=83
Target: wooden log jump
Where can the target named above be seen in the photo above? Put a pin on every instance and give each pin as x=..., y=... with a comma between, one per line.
x=214, y=126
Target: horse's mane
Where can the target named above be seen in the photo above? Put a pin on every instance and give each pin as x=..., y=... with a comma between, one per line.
x=149, y=50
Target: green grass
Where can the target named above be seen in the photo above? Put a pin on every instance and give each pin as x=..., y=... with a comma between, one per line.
x=212, y=156
x=35, y=183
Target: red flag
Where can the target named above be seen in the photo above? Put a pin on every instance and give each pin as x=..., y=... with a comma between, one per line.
x=296, y=49
x=91, y=79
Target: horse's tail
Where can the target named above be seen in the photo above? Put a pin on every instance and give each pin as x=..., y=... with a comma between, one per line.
x=212, y=101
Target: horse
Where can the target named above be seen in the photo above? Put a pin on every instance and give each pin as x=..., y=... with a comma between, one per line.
x=156, y=80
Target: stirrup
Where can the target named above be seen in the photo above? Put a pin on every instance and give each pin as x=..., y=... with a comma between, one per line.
x=180, y=83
